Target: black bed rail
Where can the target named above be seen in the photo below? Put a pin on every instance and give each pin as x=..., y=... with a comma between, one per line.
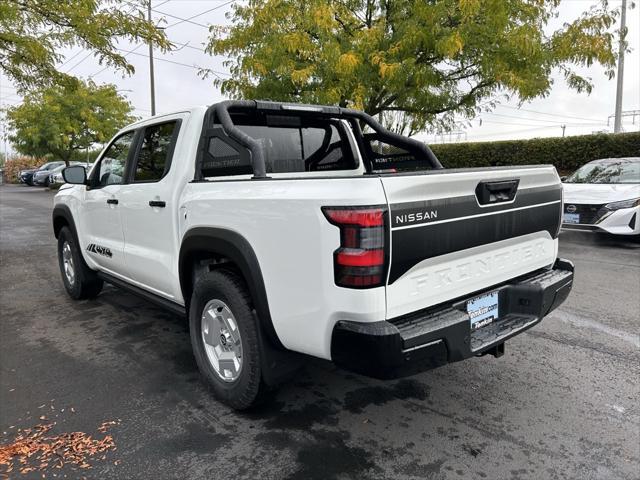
x=221, y=111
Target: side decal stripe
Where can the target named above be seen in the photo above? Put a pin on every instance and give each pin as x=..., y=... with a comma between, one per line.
x=403, y=227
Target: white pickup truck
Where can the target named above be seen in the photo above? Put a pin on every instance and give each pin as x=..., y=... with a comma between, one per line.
x=284, y=230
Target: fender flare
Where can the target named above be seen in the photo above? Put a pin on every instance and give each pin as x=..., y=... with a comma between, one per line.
x=236, y=248
x=63, y=212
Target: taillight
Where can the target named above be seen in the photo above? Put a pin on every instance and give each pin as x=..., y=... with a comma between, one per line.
x=361, y=260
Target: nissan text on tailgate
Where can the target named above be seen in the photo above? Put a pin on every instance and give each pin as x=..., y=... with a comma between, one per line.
x=283, y=231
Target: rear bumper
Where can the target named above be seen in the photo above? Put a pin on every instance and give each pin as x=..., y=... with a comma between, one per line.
x=430, y=338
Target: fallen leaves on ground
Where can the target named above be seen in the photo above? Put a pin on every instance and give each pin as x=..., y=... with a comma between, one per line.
x=33, y=450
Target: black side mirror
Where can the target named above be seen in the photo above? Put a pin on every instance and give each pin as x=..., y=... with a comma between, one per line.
x=76, y=175
x=562, y=179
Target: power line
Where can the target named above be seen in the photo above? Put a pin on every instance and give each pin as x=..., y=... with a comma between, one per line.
x=546, y=113
x=83, y=59
x=181, y=64
x=524, y=118
x=188, y=19
x=182, y=20
x=124, y=56
x=72, y=57
x=512, y=132
x=547, y=126
x=90, y=53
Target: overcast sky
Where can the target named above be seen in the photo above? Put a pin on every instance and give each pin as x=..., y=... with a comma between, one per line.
x=178, y=85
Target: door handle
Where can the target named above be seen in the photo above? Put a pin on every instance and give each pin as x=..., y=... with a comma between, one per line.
x=112, y=201
x=157, y=203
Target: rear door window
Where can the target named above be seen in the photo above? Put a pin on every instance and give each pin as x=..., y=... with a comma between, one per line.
x=155, y=154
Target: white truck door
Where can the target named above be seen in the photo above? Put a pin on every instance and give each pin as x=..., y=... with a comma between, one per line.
x=104, y=243
x=150, y=212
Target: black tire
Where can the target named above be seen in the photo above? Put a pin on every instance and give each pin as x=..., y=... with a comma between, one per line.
x=86, y=283
x=248, y=389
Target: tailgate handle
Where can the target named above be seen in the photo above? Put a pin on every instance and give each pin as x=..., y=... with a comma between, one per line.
x=499, y=191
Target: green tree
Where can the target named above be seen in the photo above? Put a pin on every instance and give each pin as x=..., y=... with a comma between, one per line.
x=63, y=119
x=425, y=60
x=33, y=33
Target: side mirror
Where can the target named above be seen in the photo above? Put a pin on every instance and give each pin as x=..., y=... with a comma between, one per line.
x=76, y=175
x=562, y=179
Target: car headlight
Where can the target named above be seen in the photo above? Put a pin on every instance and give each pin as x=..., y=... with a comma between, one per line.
x=634, y=202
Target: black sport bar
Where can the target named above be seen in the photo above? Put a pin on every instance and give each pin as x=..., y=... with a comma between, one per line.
x=256, y=149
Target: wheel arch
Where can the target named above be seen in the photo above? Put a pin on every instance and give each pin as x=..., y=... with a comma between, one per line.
x=202, y=242
x=62, y=217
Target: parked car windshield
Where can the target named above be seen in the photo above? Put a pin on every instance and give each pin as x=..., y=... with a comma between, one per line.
x=59, y=168
x=624, y=171
x=50, y=165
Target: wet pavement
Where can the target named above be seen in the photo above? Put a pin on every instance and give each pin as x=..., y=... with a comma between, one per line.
x=563, y=402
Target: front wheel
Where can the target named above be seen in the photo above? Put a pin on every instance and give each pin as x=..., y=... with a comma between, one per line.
x=79, y=280
x=225, y=340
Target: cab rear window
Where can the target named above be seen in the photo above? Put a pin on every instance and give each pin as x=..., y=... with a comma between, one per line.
x=291, y=145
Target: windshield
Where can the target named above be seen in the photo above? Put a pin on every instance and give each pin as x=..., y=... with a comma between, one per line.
x=611, y=172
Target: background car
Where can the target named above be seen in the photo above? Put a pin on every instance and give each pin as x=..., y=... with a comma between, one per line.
x=41, y=175
x=26, y=176
x=56, y=178
x=604, y=195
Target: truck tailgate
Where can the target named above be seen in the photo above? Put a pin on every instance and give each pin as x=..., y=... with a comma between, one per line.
x=455, y=232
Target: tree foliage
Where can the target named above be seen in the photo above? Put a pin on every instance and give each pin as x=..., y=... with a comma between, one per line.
x=63, y=119
x=425, y=59
x=34, y=32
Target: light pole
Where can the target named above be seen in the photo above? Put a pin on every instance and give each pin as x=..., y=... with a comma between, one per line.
x=617, y=124
x=151, y=74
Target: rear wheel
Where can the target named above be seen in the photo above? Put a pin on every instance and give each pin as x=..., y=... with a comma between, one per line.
x=79, y=280
x=225, y=340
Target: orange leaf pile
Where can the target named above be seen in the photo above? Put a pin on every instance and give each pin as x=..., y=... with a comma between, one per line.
x=33, y=450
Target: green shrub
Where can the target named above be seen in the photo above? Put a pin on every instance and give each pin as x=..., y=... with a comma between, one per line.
x=567, y=154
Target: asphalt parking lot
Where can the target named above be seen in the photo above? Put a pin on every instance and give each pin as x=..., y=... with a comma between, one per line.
x=562, y=403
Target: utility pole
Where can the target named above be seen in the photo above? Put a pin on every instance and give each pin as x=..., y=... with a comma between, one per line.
x=617, y=125
x=151, y=74
x=3, y=116
x=563, y=127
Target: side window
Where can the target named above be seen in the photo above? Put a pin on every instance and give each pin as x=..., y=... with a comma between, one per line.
x=385, y=156
x=222, y=159
x=111, y=168
x=154, y=158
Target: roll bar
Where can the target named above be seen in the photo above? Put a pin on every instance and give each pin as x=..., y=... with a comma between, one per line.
x=256, y=149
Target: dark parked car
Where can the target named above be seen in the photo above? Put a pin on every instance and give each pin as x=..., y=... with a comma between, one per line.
x=26, y=176
x=41, y=176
